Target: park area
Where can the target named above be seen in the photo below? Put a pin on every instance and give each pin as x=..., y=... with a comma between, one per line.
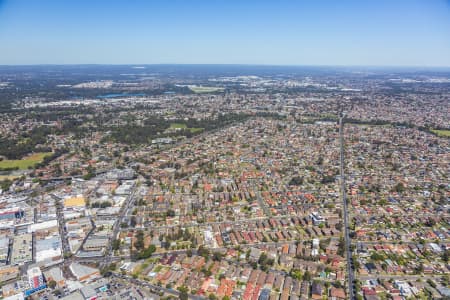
x=183, y=126
x=441, y=133
x=24, y=163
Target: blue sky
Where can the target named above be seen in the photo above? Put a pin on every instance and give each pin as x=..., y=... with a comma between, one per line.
x=296, y=32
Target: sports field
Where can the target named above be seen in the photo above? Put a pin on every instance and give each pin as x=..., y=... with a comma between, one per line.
x=25, y=162
x=178, y=126
x=184, y=126
x=441, y=133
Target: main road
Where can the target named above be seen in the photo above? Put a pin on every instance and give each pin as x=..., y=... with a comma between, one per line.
x=61, y=223
x=350, y=274
x=116, y=227
x=153, y=287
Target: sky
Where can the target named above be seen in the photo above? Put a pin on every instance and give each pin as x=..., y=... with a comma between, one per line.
x=277, y=32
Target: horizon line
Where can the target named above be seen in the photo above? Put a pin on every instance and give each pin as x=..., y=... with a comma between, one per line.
x=230, y=64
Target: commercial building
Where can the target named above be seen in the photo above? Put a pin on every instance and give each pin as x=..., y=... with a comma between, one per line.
x=8, y=273
x=35, y=280
x=84, y=273
x=4, y=248
x=125, y=188
x=42, y=226
x=15, y=297
x=22, y=249
x=77, y=202
x=35, y=277
x=56, y=275
x=118, y=174
x=96, y=243
x=49, y=249
x=11, y=213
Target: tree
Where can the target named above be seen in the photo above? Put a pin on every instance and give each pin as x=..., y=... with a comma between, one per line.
x=296, y=274
x=116, y=245
x=262, y=258
x=327, y=179
x=399, y=188
x=183, y=293
x=147, y=252
x=206, y=272
x=323, y=244
x=212, y=297
x=338, y=284
x=51, y=284
x=307, y=276
x=133, y=221
x=139, y=244
x=341, y=246
x=445, y=279
x=5, y=184
x=297, y=180
x=446, y=255
x=377, y=256
x=217, y=256
x=202, y=251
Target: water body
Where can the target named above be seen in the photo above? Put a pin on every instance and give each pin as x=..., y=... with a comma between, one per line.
x=108, y=96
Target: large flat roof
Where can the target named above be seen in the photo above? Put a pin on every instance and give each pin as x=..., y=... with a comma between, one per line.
x=75, y=201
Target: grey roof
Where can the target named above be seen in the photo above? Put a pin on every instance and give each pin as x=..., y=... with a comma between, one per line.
x=54, y=273
x=80, y=270
x=4, y=242
x=444, y=291
x=74, y=296
x=88, y=292
x=50, y=243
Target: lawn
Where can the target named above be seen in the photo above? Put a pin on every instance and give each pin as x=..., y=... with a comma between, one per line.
x=205, y=89
x=25, y=162
x=8, y=177
x=178, y=126
x=196, y=130
x=184, y=126
x=441, y=133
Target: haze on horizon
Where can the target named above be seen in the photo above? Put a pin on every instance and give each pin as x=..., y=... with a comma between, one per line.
x=371, y=33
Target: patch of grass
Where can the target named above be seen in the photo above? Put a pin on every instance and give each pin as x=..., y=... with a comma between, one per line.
x=205, y=89
x=196, y=130
x=8, y=177
x=184, y=126
x=24, y=163
x=157, y=269
x=441, y=133
x=178, y=126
